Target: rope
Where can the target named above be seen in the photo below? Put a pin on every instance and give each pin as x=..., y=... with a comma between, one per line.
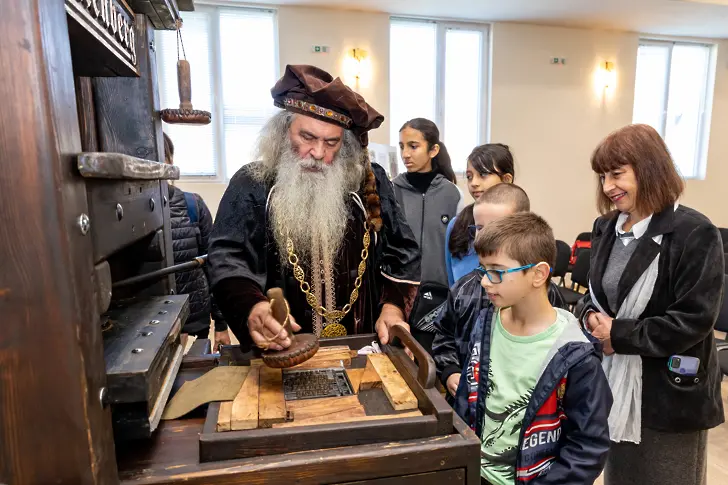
x=179, y=40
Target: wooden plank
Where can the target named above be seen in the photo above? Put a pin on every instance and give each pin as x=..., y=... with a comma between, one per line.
x=370, y=378
x=304, y=409
x=430, y=400
x=447, y=477
x=271, y=400
x=355, y=376
x=367, y=461
x=325, y=357
x=86, y=114
x=223, y=417
x=53, y=427
x=314, y=363
x=245, y=406
x=347, y=417
x=400, y=395
x=333, y=349
x=276, y=441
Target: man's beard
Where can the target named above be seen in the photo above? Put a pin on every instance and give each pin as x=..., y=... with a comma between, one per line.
x=309, y=204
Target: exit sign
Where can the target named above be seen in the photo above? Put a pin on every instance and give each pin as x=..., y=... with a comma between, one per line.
x=320, y=49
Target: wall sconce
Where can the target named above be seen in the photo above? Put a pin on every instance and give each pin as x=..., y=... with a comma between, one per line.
x=357, y=67
x=605, y=79
x=607, y=74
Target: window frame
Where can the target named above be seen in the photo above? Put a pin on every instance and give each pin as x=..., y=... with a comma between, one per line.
x=704, y=120
x=218, y=114
x=442, y=27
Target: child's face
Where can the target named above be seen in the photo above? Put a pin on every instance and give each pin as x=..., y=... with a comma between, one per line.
x=515, y=285
x=479, y=183
x=484, y=214
x=416, y=155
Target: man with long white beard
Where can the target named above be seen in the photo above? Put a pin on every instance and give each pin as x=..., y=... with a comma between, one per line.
x=314, y=217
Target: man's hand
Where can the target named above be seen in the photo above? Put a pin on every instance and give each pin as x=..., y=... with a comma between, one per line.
x=391, y=315
x=222, y=338
x=601, y=328
x=266, y=332
x=452, y=384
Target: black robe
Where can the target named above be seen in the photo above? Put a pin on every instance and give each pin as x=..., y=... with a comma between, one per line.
x=244, y=261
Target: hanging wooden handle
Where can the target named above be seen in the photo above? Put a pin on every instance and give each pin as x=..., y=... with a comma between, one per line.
x=184, y=84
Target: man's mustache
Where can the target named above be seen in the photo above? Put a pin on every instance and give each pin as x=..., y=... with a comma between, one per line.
x=312, y=165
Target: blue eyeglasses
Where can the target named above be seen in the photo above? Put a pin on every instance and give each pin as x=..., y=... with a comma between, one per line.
x=495, y=276
x=472, y=230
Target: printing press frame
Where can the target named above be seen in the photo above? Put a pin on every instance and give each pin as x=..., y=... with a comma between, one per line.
x=83, y=205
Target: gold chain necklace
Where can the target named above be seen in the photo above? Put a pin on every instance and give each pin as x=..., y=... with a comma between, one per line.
x=332, y=327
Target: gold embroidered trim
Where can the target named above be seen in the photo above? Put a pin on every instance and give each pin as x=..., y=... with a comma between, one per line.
x=318, y=110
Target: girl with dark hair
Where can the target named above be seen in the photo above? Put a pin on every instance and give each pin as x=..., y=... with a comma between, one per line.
x=430, y=199
x=488, y=165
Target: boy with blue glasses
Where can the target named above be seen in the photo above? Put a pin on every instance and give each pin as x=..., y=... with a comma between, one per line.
x=467, y=297
x=533, y=388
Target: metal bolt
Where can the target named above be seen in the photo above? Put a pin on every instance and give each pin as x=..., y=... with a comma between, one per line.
x=678, y=380
x=84, y=224
x=164, y=201
x=147, y=333
x=119, y=212
x=151, y=46
x=137, y=351
x=151, y=204
x=163, y=312
x=696, y=380
x=102, y=396
x=153, y=322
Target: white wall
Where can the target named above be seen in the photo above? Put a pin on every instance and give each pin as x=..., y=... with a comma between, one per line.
x=551, y=116
x=301, y=27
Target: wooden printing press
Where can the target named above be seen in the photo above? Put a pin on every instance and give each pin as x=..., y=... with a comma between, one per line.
x=90, y=347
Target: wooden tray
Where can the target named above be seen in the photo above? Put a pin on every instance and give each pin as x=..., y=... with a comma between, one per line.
x=436, y=418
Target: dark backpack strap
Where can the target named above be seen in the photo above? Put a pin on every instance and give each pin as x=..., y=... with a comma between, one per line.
x=191, y=207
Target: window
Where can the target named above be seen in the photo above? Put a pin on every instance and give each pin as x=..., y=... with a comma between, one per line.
x=221, y=45
x=672, y=91
x=438, y=71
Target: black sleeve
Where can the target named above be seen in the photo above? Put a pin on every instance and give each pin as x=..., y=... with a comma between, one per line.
x=237, y=249
x=689, y=319
x=205, y=225
x=583, y=308
x=236, y=297
x=585, y=440
x=400, y=261
x=444, y=347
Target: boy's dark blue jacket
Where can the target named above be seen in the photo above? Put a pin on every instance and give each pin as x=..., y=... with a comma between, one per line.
x=564, y=435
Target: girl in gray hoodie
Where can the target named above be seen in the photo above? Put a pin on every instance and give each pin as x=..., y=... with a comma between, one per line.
x=430, y=199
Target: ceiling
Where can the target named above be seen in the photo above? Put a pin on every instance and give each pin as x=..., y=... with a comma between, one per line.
x=694, y=18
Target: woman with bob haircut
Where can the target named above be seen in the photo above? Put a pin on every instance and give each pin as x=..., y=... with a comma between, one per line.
x=656, y=284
